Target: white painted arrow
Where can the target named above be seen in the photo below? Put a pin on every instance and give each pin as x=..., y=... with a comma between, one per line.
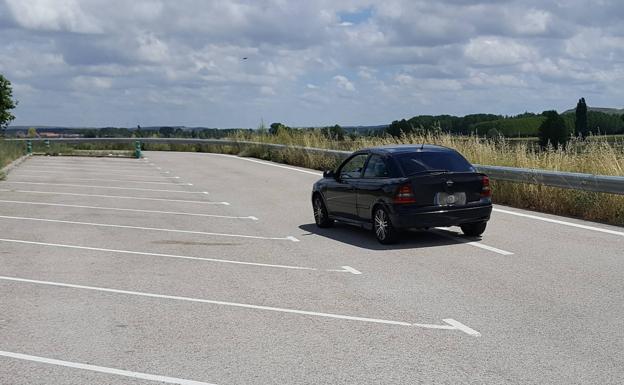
x=347, y=269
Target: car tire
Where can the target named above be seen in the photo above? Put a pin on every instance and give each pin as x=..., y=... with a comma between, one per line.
x=383, y=229
x=321, y=216
x=474, y=229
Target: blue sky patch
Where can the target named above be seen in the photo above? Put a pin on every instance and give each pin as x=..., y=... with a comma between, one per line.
x=357, y=17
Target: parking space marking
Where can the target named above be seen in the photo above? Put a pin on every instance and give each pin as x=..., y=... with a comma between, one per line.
x=96, y=169
x=114, y=196
x=268, y=164
x=592, y=228
x=345, y=269
x=96, y=173
x=289, y=238
x=108, y=187
x=252, y=218
x=445, y=233
x=106, y=180
x=102, y=369
x=455, y=325
x=94, y=166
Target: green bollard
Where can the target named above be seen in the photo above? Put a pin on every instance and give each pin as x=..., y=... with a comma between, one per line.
x=137, y=149
x=47, y=144
x=29, y=147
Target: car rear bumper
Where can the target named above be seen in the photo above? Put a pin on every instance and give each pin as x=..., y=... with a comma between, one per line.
x=405, y=217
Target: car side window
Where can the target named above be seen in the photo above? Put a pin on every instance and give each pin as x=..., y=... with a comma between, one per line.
x=376, y=168
x=353, y=168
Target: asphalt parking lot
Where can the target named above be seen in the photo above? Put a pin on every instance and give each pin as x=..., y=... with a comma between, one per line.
x=191, y=268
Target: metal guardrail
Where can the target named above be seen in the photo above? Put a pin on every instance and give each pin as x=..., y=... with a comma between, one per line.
x=568, y=180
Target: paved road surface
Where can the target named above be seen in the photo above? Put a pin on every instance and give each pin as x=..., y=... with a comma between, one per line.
x=194, y=268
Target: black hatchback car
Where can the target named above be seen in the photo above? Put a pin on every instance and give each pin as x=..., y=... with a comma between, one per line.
x=406, y=186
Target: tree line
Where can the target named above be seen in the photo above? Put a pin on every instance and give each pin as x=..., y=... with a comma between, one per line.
x=522, y=125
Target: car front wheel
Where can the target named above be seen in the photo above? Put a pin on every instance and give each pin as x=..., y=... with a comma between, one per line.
x=382, y=226
x=474, y=229
x=321, y=216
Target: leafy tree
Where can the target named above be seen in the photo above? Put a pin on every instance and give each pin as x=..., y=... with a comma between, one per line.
x=32, y=132
x=602, y=123
x=396, y=128
x=581, y=124
x=166, y=132
x=493, y=134
x=553, y=130
x=336, y=132
x=275, y=128
x=6, y=103
x=90, y=133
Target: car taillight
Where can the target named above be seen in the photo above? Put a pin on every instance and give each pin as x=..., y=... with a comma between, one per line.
x=405, y=194
x=486, y=190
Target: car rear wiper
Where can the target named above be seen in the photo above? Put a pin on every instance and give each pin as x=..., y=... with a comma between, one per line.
x=440, y=171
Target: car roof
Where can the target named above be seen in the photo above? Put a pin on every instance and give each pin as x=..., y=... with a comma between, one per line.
x=407, y=148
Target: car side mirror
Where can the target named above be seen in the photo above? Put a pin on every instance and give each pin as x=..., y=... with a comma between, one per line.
x=329, y=174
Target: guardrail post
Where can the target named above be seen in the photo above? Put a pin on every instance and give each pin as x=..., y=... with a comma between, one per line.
x=47, y=144
x=29, y=147
x=137, y=149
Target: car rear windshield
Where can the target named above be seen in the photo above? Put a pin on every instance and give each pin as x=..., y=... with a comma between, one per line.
x=421, y=162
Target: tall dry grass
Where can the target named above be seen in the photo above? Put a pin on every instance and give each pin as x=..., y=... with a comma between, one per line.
x=596, y=156
x=9, y=151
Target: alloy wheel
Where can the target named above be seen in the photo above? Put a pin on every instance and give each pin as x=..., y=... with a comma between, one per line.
x=381, y=224
x=319, y=214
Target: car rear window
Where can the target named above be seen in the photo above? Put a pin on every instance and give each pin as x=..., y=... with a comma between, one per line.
x=418, y=162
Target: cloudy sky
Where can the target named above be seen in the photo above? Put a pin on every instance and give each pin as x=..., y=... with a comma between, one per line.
x=309, y=63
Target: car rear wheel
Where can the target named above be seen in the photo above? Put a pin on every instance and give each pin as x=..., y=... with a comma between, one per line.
x=321, y=217
x=474, y=229
x=382, y=226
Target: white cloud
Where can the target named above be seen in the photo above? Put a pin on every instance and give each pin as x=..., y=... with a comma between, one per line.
x=493, y=51
x=90, y=83
x=305, y=62
x=267, y=91
x=344, y=83
x=151, y=49
x=53, y=15
x=534, y=22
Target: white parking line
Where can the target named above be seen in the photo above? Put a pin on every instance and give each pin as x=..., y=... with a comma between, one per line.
x=267, y=163
x=86, y=170
x=289, y=238
x=592, y=228
x=113, y=196
x=81, y=168
x=346, y=269
x=489, y=248
x=445, y=233
x=133, y=210
x=94, y=166
x=108, y=187
x=101, y=369
x=455, y=325
x=21, y=175
x=96, y=173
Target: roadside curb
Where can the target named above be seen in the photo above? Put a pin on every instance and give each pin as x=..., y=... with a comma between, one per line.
x=6, y=169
